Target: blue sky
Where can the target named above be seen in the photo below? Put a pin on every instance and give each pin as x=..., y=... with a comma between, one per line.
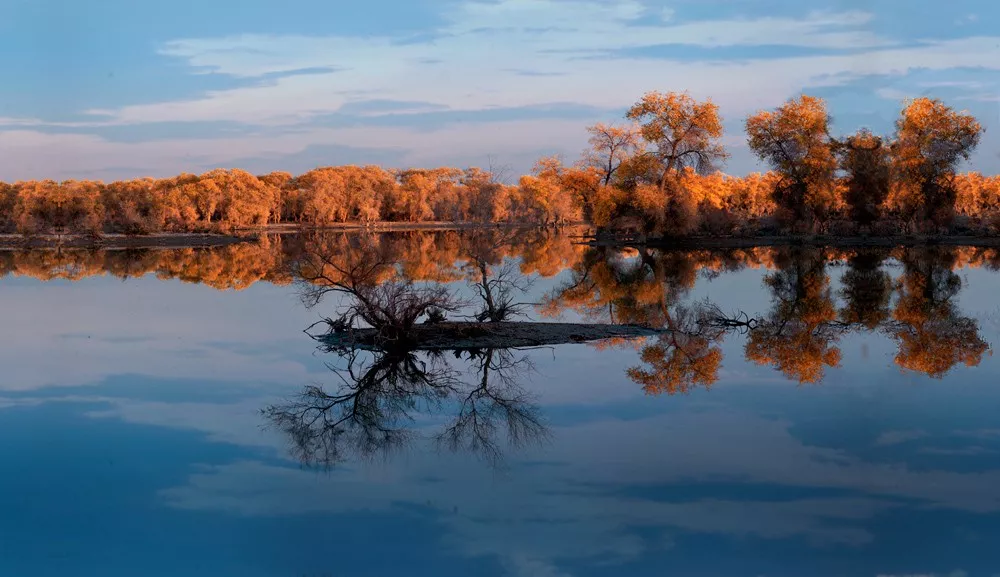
x=113, y=89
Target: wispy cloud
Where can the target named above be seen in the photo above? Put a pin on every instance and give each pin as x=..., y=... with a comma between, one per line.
x=502, y=54
x=476, y=61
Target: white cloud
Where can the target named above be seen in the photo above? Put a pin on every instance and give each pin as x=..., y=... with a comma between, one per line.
x=581, y=52
x=144, y=327
x=473, y=62
x=28, y=154
x=528, y=525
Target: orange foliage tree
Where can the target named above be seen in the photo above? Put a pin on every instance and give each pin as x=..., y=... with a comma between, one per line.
x=795, y=140
x=864, y=158
x=931, y=140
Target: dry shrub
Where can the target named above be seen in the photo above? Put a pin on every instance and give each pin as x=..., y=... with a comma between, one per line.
x=841, y=227
x=889, y=227
x=717, y=221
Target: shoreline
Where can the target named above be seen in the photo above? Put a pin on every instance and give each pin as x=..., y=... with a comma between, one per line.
x=13, y=241
x=696, y=243
x=179, y=240
x=9, y=242
x=471, y=335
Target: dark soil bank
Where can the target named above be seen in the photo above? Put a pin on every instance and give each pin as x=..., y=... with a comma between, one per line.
x=471, y=335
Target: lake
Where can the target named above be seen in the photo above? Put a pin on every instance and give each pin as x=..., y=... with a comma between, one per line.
x=805, y=411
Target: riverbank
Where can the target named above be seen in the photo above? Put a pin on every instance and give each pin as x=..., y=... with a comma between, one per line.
x=698, y=243
x=207, y=239
x=120, y=241
x=449, y=336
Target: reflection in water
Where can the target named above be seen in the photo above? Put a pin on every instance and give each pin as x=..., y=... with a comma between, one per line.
x=387, y=384
x=387, y=380
x=376, y=404
x=420, y=255
x=799, y=335
x=767, y=480
x=933, y=335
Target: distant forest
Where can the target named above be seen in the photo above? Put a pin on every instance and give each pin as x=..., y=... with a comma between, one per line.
x=655, y=174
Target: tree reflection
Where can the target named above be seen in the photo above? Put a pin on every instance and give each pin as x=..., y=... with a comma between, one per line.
x=866, y=289
x=685, y=356
x=798, y=336
x=373, y=410
x=933, y=335
x=646, y=288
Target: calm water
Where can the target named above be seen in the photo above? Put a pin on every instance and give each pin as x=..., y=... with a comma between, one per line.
x=159, y=422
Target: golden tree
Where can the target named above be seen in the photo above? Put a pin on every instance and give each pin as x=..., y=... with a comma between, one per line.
x=932, y=139
x=794, y=139
x=610, y=146
x=683, y=132
x=864, y=157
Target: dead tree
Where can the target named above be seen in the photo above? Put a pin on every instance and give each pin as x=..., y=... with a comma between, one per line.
x=374, y=291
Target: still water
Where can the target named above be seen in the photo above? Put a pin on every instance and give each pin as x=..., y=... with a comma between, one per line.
x=164, y=414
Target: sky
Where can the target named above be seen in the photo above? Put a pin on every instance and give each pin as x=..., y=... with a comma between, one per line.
x=118, y=89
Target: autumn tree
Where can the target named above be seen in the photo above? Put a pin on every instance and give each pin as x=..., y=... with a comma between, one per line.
x=245, y=199
x=683, y=131
x=584, y=186
x=794, y=139
x=8, y=200
x=864, y=158
x=132, y=207
x=484, y=198
x=977, y=194
x=546, y=200
x=932, y=139
x=610, y=146
x=278, y=181
x=48, y=206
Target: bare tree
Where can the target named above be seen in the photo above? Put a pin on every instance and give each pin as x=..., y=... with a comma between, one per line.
x=499, y=173
x=610, y=146
x=497, y=286
x=376, y=293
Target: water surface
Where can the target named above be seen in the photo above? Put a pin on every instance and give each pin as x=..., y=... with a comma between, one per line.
x=149, y=404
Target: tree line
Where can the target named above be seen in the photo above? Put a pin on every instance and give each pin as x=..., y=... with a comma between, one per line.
x=228, y=200
x=659, y=173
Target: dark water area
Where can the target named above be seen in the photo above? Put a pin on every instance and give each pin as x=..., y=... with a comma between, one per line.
x=803, y=411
